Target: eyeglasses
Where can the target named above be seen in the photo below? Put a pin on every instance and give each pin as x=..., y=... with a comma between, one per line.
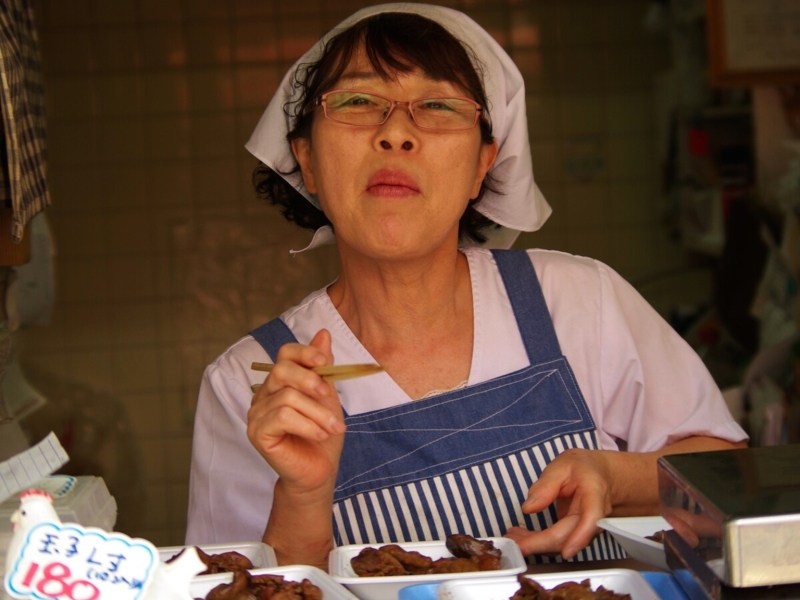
x=358, y=108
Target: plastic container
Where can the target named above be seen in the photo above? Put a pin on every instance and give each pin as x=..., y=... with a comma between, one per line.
x=84, y=500
x=388, y=588
x=426, y=591
x=261, y=555
x=620, y=581
x=331, y=590
x=630, y=532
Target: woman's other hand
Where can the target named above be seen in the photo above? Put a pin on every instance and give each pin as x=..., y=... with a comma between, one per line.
x=297, y=424
x=579, y=482
x=587, y=485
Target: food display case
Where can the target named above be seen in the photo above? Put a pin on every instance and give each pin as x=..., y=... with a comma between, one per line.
x=735, y=516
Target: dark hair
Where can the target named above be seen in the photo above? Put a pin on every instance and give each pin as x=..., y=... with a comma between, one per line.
x=394, y=43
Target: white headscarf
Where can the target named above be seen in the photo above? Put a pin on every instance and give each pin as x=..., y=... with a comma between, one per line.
x=519, y=207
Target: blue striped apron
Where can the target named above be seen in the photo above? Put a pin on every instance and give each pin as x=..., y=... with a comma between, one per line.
x=462, y=461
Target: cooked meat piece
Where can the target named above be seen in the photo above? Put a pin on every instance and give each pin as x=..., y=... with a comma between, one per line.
x=169, y=560
x=465, y=546
x=224, y=562
x=264, y=587
x=470, y=555
x=238, y=589
x=604, y=594
x=486, y=562
x=529, y=590
x=657, y=537
x=413, y=562
x=481, y=552
x=275, y=587
x=268, y=580
x=282, y=594
x=570, y=590
x=310, y=591
x=292, y=590
x=453, y=565
x=371, y=562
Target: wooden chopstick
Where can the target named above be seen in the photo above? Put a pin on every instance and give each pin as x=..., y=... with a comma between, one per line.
x=328, y=373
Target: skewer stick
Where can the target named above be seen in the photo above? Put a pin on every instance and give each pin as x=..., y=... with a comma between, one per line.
x=329, y=373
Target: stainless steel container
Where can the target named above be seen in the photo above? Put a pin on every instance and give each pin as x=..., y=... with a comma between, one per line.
x=738, y=512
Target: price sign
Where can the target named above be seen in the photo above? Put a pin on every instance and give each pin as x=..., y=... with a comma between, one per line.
x=70, y=562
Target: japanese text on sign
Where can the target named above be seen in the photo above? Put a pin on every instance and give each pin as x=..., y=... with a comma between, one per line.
x=71, y=562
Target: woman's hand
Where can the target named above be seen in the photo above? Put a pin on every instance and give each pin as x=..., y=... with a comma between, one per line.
x=297, y=424
x=295, y=420
x=587, y=485
x=579, y=482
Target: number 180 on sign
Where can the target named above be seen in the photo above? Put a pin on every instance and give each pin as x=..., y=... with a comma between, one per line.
x=70, y=562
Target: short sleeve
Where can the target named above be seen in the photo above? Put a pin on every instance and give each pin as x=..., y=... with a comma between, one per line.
x=230, y=484
x=656, y=389
x=645, y=387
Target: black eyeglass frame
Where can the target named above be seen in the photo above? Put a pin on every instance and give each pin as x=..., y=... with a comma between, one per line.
x=321, y=101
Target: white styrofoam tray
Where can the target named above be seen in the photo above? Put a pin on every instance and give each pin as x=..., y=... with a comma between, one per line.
x=387, y=588
x=630, y=532
x=331, y=590
x=84, y=500
x=620, y=581
x=261, y=555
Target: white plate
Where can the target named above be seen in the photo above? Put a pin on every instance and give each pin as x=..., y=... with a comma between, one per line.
x=621, y=581
x=261, y=555
x=630, y=532
x=387, y=588
x=330, y=589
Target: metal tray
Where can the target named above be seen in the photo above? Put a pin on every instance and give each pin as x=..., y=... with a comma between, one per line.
x=738, y=511
x=699, y=580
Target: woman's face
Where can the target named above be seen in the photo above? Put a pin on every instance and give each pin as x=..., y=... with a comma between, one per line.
x=394, y=190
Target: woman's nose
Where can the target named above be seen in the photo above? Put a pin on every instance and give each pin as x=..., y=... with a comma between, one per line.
x=407, y=145
x=398, y=131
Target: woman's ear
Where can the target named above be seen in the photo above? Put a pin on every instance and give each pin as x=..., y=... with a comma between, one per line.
x=488, y=154
x=301, y=148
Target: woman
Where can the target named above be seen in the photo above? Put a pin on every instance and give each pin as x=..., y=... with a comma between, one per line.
x=512, y=379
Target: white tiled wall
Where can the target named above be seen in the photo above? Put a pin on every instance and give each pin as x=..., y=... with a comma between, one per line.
x=165, y=257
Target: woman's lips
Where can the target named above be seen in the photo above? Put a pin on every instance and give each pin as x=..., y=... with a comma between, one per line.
x=392, y=184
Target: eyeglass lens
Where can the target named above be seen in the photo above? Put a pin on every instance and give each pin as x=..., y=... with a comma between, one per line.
x=357, y=108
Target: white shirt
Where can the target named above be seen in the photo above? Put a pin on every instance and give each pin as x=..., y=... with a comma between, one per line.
x=644, y=386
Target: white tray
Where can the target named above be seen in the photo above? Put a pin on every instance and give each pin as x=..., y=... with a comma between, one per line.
x=261, y=555
x=387, y=588
x=621, y=581
x=330, y=589
x=630, y=532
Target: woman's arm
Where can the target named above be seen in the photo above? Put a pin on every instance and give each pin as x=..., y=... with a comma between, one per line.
x=230, y=485
x=643, y=384
x=587, y=485
x=296, y=423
